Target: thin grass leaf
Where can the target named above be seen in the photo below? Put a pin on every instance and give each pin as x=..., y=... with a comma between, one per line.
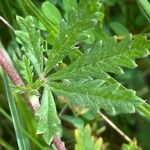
x=144, y=6
x=3, y=112
x=6, y=115
x=22, y=140
x=5, y=145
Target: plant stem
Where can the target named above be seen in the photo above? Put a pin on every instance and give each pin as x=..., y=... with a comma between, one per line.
x=10, y=70
x=6, y=23
x=34, y=101
x=58, y=143
x=115, y=127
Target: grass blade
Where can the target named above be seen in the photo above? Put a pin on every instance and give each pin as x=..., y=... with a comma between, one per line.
x=6, y=115
x=22, y=140
x=144, y=6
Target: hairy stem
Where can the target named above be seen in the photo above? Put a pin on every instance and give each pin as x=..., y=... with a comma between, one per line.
x=10, y=70
x=33, y=101
x=58, y=143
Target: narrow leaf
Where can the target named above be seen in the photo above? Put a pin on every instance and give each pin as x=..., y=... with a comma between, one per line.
x=49, y=123
x=118, y=28
x=98, y=94
x=144, y=6
x=52, y=13
x=22, y=140
x=26, y=70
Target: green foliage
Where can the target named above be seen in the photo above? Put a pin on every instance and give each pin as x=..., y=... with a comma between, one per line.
x=30, y=39
x=69, y=5
x=109, y=2
x=118, y=28
x=85, y=141
x=102, y=95
x=80, y=20
x=106, y=56
x=145, y=8
x=75, y=121
x=79, y=65
x=22, y=139
x=52, y=13
x=48, y=124
x=27, y=70
x=41, y=17
x=30, y=90
x=131, y=146
x=89, y=84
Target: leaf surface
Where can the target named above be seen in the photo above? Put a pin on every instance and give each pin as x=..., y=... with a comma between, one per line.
x=27, y=70
x=30, y=39
x=106, y=56
x=85, y=141
x=98, y=94
x=49, y=123
x=80, y=20
x=52, y=13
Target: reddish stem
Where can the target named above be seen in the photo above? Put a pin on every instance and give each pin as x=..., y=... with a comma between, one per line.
x=58, y=143
x=10, y=70
x=34, y=102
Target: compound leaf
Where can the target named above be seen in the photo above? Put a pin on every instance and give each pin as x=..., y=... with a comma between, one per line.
x=30, y=39
x=80, y=20
x=106, y=56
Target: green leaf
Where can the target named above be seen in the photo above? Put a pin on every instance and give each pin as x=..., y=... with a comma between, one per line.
x=30, y=39
x=76, y=121
x=98, y=94
x=30, y=89
x=109, y=2
x=131, y=146
x=52, y=13
x=69, y=5
x=26, y=70
x=119, y=28
x=6, y=145
x=79, y=21
x=22, y=140
x=49, y=123
x=29, y=6
x=85, y=141
x=106, y=56
x=144, y=6
x=144, y=110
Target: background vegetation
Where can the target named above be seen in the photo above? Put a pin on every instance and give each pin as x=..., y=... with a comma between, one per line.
x=121, y=17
